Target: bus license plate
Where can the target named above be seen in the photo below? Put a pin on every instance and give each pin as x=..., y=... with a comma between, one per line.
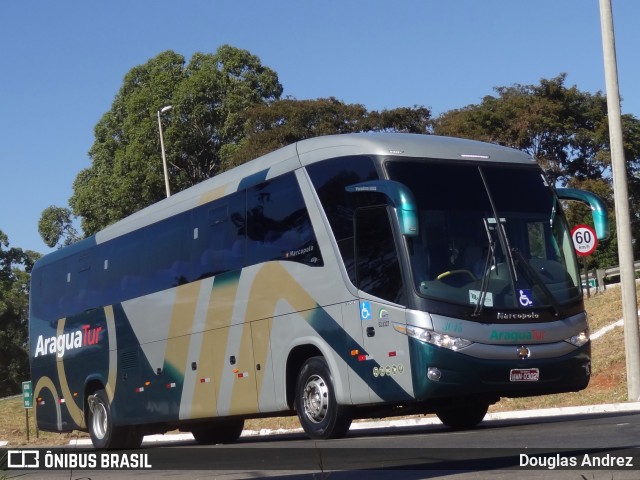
x=524, y=375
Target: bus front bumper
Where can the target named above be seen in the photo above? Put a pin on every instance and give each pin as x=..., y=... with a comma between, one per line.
x=441, y=373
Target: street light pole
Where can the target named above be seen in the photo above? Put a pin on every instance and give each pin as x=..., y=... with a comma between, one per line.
x=621, y=199
x=164, y=158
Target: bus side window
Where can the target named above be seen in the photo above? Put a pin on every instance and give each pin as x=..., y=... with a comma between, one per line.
x=377, y=266
x=330, y=178
x=86, y=295
x=220, y=243
x=166, y=262
x=123, y=278
x=278, y=224
x=54, y=286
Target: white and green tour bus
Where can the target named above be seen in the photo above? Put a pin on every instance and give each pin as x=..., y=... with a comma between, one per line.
x=341, y=277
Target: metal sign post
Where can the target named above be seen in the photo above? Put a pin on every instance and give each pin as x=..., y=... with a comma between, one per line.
x=586, y=275
x=621, y=199
x=27, y=402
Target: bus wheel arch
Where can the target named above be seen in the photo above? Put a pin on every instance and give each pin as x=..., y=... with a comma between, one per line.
x=104, y=433
x=91, y=387
x=320, y=414
x=296, y=359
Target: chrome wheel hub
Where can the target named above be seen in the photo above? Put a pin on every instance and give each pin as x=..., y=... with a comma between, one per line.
x=316, y=399
x=98, y=418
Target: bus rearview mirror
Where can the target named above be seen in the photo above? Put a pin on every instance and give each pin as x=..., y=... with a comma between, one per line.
x=400, y=197
x=598, y=208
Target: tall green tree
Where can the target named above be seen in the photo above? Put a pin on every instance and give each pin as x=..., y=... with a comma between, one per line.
x=56, y=227
x=564, y=128
x=268, y=127
x=225, y=109
x=207, y=94
x=15, y=269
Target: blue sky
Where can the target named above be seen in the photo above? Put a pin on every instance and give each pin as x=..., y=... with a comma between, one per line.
x=63, y=62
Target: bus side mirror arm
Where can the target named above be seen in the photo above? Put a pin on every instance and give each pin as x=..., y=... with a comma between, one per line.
x=400, y=197
x=598, y=208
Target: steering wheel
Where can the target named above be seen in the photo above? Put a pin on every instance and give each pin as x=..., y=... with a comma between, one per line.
x=456, y=272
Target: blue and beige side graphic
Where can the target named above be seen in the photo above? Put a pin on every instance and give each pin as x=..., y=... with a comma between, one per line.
x=217, y=351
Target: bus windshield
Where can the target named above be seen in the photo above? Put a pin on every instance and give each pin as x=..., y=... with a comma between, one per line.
x=490, y=236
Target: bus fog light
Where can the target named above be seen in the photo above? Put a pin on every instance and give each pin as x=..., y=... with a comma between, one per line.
x=434, y=374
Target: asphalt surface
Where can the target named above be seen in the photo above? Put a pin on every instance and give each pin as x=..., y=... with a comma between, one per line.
x=528, y=414
x=411, y=449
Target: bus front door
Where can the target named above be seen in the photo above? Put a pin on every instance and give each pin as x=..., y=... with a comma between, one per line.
x=379, y=280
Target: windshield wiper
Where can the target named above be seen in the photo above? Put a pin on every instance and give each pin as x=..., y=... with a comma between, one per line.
x=489, y=262
x=535, y=279
x=502, y=235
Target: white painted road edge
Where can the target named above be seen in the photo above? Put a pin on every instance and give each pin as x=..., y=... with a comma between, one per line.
x=630, y=407
x=539, y=413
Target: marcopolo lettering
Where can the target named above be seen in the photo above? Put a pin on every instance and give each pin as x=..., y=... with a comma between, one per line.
x=518, y=316
x=68, y=341
x=302, y=251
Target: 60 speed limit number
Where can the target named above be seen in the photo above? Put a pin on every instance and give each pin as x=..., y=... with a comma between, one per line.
x=584, y=240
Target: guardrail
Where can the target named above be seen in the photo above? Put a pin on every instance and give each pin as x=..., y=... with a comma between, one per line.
x=603, y=273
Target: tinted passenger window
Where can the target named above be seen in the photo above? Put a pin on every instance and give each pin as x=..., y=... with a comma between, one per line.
x=378, y=270
x=278, y=224
x=85, y=288
x=220, y=245
x=330, y=178
x=166, y=256
x=123, y=274
x=54, y=290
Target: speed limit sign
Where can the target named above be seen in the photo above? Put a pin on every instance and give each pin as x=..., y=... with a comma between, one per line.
x=584, y=240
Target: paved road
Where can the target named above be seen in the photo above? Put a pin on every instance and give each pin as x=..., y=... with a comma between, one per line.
x=409, y=452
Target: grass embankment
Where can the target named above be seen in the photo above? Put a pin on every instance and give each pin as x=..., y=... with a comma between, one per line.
x=608, y=383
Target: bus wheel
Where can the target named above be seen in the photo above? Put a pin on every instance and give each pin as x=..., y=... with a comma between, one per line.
x=463, y=415
x=101, y=428
x=227, y=431
x=320, y=414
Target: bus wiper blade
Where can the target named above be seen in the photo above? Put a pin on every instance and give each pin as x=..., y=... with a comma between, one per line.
x=484, y=285
x=490, y=261
x=535, y=279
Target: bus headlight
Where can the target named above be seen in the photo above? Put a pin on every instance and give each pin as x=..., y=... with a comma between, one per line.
x=434, y=338
x=579, y=339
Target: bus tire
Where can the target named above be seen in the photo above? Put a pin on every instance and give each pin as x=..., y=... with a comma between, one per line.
x=320, y=414
x=104, y=434
x=463, y=415
x=227, y=431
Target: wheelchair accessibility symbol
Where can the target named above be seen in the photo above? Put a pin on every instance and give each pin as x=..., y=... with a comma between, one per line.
x=525, y=298
x=365, y=311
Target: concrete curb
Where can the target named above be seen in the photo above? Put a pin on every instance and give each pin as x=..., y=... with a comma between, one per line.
x=411, y=422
